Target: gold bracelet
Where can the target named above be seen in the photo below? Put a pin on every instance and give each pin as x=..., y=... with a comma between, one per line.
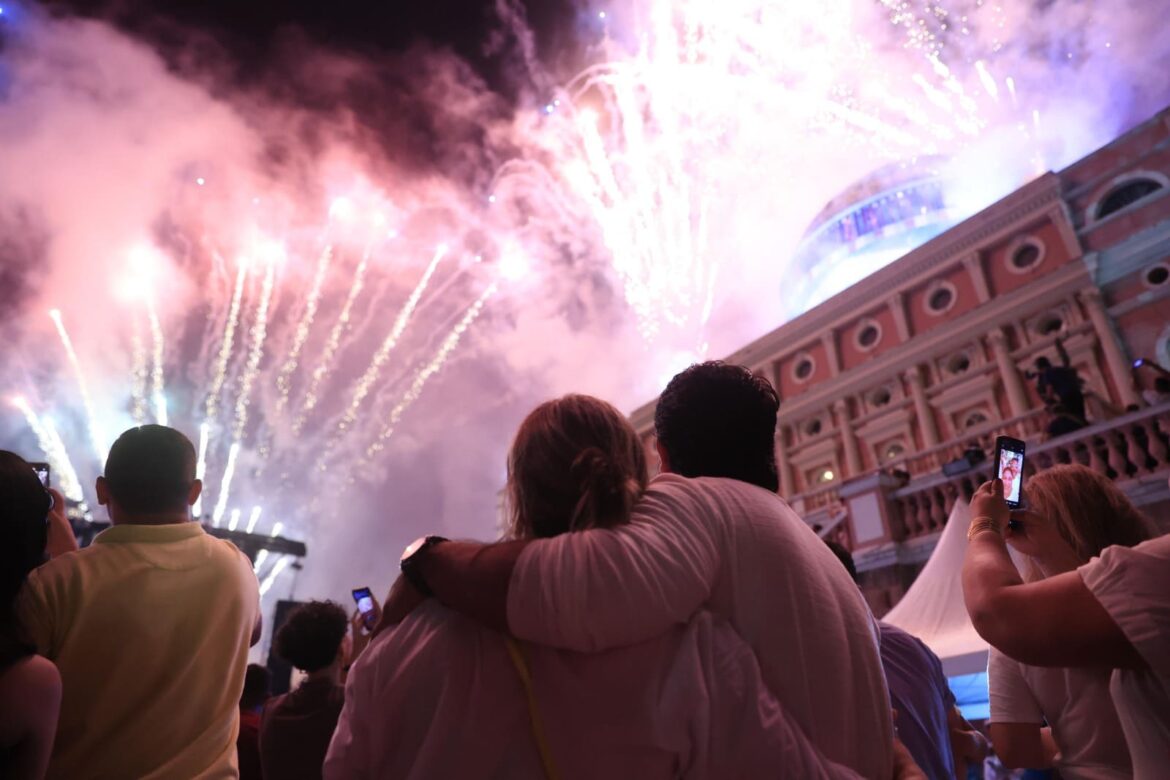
x=981, y=524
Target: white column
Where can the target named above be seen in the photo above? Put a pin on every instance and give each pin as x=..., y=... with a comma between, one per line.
x=848, y=440
x=1115, y=361
x=922, y=407
x=897, y=306
x=974, y=266
x=829, y=341
x=1012, y=384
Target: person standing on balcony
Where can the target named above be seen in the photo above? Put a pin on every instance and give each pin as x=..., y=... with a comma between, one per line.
x=1060, y=389
x=1078, y=633
x=710, y=532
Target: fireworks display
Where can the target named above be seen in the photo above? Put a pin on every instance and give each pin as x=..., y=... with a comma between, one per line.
x=314, y=311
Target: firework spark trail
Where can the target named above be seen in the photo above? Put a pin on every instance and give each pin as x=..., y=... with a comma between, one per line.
x=219, y=376
x=225, y=485
x=50, y=443
x=284, y=380
x=138, y=375
x=260, y=558
x=366, y=383
x=431, y=368
x=325, y=361
x=95, y=432
x=234, y=522
x=259, y=334
x=201, y=464
x=59, y=458
x=272, y=575
x=157, y=387
x=253, y=519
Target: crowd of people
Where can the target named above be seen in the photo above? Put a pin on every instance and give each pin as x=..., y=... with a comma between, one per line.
x=690, y=625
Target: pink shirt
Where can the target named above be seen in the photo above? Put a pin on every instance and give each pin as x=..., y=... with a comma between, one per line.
x=1133, y=585
x=439, y=697
x=741, y=552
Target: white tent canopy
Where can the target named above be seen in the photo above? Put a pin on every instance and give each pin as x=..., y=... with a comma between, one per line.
x=933, y=608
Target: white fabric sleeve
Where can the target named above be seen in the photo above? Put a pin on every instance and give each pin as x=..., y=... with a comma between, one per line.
x=1012, y=701
x=1133, y=585
x=744, y=732
x=349, y=750
x=606, y=588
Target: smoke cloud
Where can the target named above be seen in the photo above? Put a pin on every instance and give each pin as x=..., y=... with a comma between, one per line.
x=595, y=231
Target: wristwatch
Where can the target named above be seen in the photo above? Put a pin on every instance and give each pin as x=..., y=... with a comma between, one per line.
x=410, y=562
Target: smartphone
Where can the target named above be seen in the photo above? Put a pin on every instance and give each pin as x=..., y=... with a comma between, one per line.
x=1009, y=467
x=365, y=605
x=42, y=470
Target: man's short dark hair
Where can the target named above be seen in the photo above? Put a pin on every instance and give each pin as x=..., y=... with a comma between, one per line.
x=719, y=420
x=257, y=684
x=150, y=469
x=311, y=636
x=845, y=557
x=1043, y=364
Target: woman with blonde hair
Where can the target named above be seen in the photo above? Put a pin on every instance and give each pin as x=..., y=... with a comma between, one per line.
x=439, y=695
x=1072, y=515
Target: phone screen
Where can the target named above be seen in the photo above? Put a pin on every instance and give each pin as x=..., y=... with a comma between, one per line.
x=42, y=470
x=365, y=604
x=1010, y=469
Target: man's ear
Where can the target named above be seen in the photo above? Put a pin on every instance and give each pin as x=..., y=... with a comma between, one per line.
x=664, y=461
x=195, y=491
x=103, y=491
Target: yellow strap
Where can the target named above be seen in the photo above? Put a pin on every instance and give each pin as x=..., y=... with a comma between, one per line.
x=550, y=769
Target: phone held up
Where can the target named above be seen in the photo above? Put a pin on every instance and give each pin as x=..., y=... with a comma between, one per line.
x=365, y=605
x=1009, y=467
x=42, y=470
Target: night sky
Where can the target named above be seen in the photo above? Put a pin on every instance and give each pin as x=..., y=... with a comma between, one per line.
x=250, y=30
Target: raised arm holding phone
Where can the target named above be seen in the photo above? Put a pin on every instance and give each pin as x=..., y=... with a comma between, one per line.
x=1112, y=612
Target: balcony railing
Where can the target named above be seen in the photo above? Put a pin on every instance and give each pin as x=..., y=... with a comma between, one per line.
x=1125, y=449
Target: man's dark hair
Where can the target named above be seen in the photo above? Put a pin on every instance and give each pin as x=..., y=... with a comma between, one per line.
x=1162, y=384
x=312, y=634
x=719, y=420
x=1043, y=364
x=150, y=470
x=257, y=683
x=845, y=557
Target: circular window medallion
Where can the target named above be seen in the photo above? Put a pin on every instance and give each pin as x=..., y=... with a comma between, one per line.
x=893, y=451
x=973, y=419
x=940, y=298
x=867, y=336
x=958, y=364
x=880, y=397
x=803, y=367
x=1049, y=324
x=1157, y=275
x=1025, y=255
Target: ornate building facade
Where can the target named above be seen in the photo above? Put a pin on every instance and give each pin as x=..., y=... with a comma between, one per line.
x=886, y=382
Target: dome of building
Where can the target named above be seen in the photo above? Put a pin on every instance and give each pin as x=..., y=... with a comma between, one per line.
x=873, y=222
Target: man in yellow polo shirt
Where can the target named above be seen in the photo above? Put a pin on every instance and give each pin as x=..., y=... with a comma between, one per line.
x=149, y=626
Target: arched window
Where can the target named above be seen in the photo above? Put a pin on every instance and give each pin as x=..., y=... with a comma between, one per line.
x=1124, y=195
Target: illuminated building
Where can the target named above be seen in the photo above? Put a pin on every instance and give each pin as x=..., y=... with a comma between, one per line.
x=905, y=370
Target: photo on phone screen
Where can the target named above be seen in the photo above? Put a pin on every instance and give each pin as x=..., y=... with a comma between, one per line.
x=1009, y=459
x=365, y=605
x=42, y=470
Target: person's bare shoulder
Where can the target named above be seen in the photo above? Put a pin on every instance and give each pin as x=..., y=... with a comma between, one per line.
x=31, y=686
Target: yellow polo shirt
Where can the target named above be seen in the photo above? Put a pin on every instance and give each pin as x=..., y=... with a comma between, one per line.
x=150, y=628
